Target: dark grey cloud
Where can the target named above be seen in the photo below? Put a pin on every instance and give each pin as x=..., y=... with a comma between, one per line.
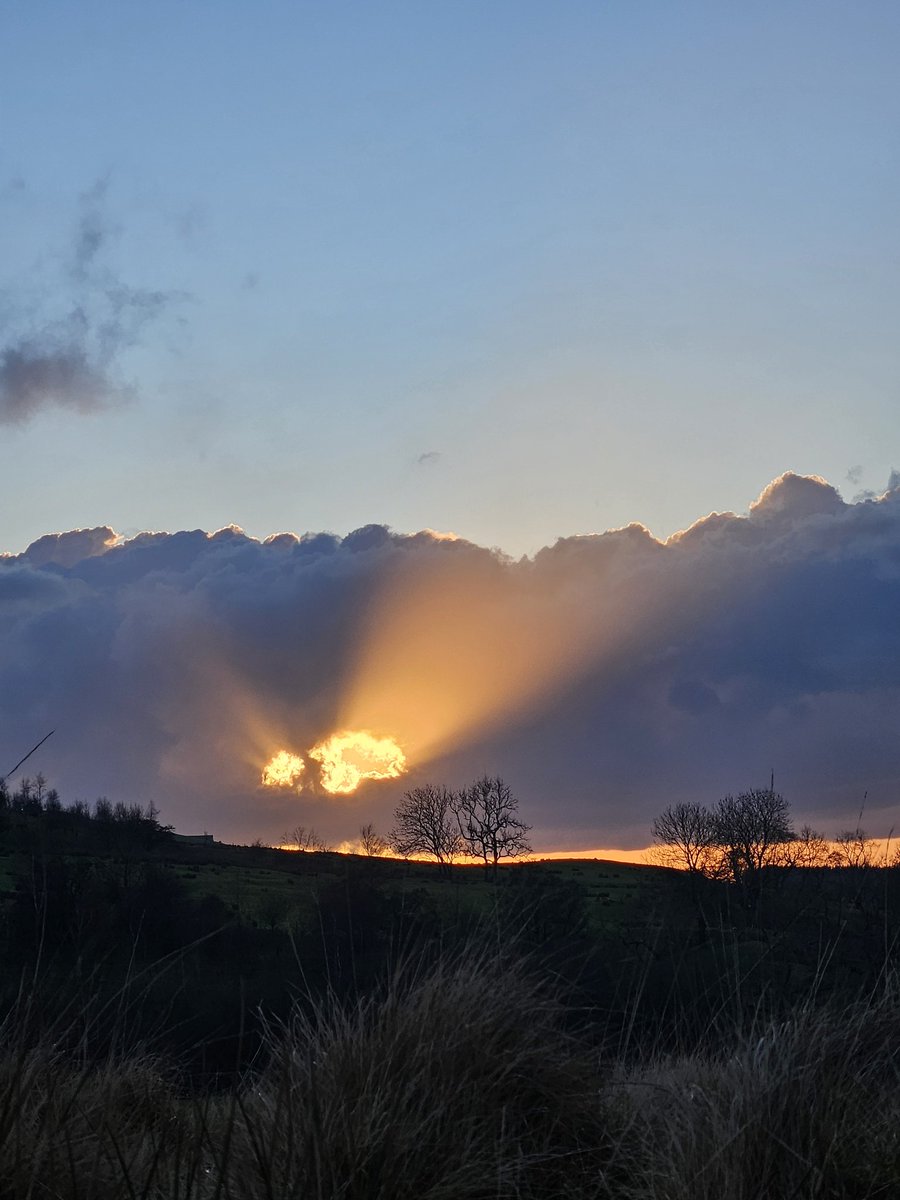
x=622, y=673
x=854, y=474
x=61, y=341
x=429, y=458
x=49, y=370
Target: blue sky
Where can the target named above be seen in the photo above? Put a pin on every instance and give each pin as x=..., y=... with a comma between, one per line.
x=520, y=270
x=514, y=269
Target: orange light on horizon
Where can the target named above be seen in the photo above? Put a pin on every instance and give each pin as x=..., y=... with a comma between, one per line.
x=646, y=857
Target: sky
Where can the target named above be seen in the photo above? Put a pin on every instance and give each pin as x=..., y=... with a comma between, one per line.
x=518, y=271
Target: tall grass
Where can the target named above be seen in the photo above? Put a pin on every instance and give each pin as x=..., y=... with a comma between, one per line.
x=462, y=1083
x=120, y=1130
x=808, y=1107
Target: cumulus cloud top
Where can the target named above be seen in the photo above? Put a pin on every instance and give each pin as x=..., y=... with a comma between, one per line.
x=606, y=677
x=67, y=549
x=792, y=497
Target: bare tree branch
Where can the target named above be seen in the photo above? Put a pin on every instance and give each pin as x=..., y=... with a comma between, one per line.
x=302, y=838
x=488, y=824
x=373, y=844
x=425, y=823
x=687, y=834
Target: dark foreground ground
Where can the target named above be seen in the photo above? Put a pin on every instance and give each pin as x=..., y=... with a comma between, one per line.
x=214, y=1021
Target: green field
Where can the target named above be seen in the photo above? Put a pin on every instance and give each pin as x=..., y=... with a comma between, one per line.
x=266, y=886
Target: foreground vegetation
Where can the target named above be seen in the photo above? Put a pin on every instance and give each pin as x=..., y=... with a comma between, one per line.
x=465, y=1082
x=196, y=1020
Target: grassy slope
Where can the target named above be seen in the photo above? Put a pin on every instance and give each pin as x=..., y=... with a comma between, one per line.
x=256, y=882
x=267, y=887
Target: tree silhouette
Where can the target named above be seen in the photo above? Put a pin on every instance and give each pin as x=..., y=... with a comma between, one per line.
x=737, y=840
x=809, y=849
x=751, y=830
x=372, y=843
x=687, y=834
x=302, y=837
x=425, y=823
x=486, y=813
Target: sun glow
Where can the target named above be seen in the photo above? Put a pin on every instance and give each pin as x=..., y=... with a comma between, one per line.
x=283, y=770
x=354, y=755
x=461, y=644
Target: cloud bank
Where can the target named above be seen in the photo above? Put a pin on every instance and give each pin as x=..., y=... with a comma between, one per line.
x=608, y=676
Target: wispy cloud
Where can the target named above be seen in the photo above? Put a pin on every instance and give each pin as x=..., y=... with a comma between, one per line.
x=61, y=343
x=893, y=484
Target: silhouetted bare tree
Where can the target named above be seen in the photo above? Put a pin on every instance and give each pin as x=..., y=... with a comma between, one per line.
x=854, y=848
x=809, y=849
x=751, y=829
x=741, y=837
x=372, y=843
x=486, y=813
x=303, y=838
x=425, y=823
x=686, y=833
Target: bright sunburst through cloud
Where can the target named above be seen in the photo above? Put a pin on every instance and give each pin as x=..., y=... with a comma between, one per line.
x=284, y=770
x=348, y=758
